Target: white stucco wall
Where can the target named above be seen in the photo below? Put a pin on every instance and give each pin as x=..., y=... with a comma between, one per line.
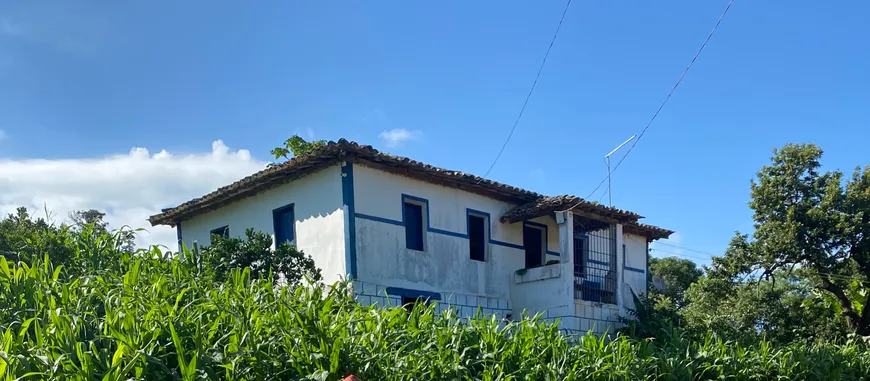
x=635, y=260
x=546, y=290
x=318, y=210
x=445, y=266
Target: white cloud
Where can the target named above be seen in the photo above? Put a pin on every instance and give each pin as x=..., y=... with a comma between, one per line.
x=398, y=136
x=128, y=187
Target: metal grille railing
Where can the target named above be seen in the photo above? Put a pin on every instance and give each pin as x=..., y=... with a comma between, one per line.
x=595, y=265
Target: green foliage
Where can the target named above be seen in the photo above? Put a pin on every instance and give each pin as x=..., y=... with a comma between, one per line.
x=296, y=146
x=678, y=274
x=655, y=316
x=143, y=315
x=255, y=252
x=812, y=222
x=22, y=238
x=782, y=311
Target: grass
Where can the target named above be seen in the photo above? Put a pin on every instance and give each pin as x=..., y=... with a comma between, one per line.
x=146, y=315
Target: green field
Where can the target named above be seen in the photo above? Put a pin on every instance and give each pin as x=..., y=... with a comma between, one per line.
x=113, y=314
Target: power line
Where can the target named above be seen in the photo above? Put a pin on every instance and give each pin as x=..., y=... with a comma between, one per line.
x=680, y=254
x=828, y=274
x=688, y=249
x=531, y=90
x=667, y=98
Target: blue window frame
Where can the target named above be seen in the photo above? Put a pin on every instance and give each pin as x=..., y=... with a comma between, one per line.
x=534, y=242
x=223, y=231
x=284, y=222
x=413, y=214
x=478, y=234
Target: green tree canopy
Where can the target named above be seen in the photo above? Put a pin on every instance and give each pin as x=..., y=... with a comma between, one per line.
x=296, y=146
x=811, y=222
x=255, y=252
x=678, y=274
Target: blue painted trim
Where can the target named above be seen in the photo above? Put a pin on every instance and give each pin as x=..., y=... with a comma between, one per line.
x=488, y=240
x=597, y=262
x=409, y=293
x=178, y=235
x=446, y=232
x=380, y=219
x=425, y=203
x=222, y=231
x=469, y=212
x=347, y=197
x=546, y=228
x=507, y=244
x=627, y=267
x=275, y=213
x=430, y=229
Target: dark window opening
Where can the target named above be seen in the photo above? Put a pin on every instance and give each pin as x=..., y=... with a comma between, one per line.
x=579, y=256
x=223, y=231
x=533, y=240
x=284, y=220
x=477, y=237
x=409, y=302
x=414, y=226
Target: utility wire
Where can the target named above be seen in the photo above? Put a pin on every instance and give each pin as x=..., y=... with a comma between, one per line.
x=828, y=274
x=667, y=98
x=688, y=249
x=679, y=254
x=529, y=95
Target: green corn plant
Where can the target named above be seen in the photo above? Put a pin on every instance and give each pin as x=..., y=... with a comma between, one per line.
x=103, y=312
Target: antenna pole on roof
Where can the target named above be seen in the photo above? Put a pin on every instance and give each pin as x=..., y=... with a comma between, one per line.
x=607, y=160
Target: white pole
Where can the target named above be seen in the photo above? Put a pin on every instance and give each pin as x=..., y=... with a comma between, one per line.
x=607, y=159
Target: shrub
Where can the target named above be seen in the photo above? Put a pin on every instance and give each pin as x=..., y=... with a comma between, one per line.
x=255, y=252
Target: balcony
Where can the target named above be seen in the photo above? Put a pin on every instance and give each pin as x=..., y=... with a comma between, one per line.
x=595, y=265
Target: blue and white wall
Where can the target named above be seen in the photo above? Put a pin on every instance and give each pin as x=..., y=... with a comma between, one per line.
x=444, y=267
x=318, y=209
x=635, y=267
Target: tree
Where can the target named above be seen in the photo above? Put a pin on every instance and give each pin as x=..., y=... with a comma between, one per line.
x=808, y=222
x=23, y=238
x=297, y=146
x=94, y=218
x=781, y=311
x=678, y=274
x=285, y=263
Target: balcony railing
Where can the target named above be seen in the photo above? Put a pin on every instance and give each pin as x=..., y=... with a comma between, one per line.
x=595, y=265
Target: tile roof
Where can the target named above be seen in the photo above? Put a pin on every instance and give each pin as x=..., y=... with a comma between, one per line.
x=649, y=231
x=548, y=205
x=331, y=153
x=531, y=204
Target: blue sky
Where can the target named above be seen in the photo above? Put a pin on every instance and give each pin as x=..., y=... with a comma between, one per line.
x=87, y=80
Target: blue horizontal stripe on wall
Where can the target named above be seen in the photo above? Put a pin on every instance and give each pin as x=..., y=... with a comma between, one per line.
x=380, y=219
x=629, y=268
x=507, y=244
x=553, y=253
x=445, y=232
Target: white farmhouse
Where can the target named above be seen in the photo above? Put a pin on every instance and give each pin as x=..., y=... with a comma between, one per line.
x=407, y=231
